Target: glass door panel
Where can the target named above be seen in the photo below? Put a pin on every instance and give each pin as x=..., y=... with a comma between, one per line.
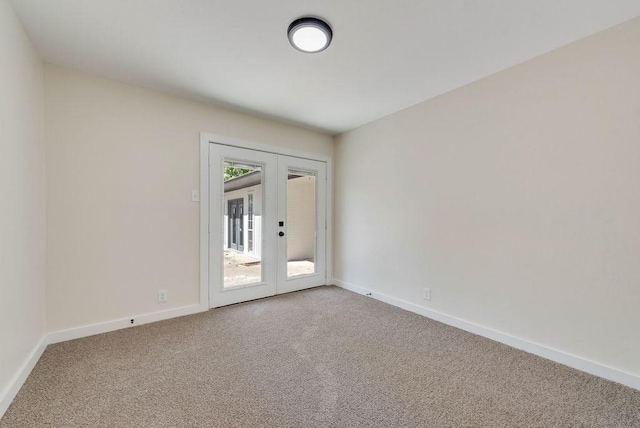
x=241, y=267
x=243, y=190
x=301, y=223
x=302, y=215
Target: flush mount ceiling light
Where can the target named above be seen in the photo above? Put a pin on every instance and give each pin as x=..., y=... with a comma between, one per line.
x=309, y=34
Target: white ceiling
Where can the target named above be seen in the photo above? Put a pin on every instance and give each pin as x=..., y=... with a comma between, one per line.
x=386, y=54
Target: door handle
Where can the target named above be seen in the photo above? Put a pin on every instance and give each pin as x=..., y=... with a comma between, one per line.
x=281, y=234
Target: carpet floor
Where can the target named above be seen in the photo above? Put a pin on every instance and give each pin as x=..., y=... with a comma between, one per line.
x=323, y=357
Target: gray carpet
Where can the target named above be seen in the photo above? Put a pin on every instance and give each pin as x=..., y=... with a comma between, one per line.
x=321, y=357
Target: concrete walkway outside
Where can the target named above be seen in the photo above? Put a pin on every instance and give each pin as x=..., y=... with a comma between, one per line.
x=242, y=269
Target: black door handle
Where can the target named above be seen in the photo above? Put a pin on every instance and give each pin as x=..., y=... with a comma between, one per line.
x=281, y=234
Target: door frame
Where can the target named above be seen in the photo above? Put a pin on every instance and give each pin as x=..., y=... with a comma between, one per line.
x=206, y=139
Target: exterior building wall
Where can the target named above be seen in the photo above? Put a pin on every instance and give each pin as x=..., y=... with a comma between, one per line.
x=257, y=221
x=301, y=218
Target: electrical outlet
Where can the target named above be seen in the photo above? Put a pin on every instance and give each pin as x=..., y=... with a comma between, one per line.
x=163, y=295
x=426, y=293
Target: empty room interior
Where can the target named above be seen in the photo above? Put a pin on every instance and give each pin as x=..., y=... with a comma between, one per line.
x=366, y=213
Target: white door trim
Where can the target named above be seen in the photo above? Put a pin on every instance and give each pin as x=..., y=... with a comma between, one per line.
x=206, y=139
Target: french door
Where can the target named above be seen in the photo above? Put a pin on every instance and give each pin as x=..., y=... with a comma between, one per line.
x=267, y=225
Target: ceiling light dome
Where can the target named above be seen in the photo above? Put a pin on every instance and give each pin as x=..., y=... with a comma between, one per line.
x=309, y=34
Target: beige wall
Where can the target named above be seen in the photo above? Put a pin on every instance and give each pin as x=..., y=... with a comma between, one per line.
x=22, y=196
x=121, y=163
x=516, y=199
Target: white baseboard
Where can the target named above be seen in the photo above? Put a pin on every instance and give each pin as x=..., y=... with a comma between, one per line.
x=579, y=363
x=11, y=390
x=104, y=327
